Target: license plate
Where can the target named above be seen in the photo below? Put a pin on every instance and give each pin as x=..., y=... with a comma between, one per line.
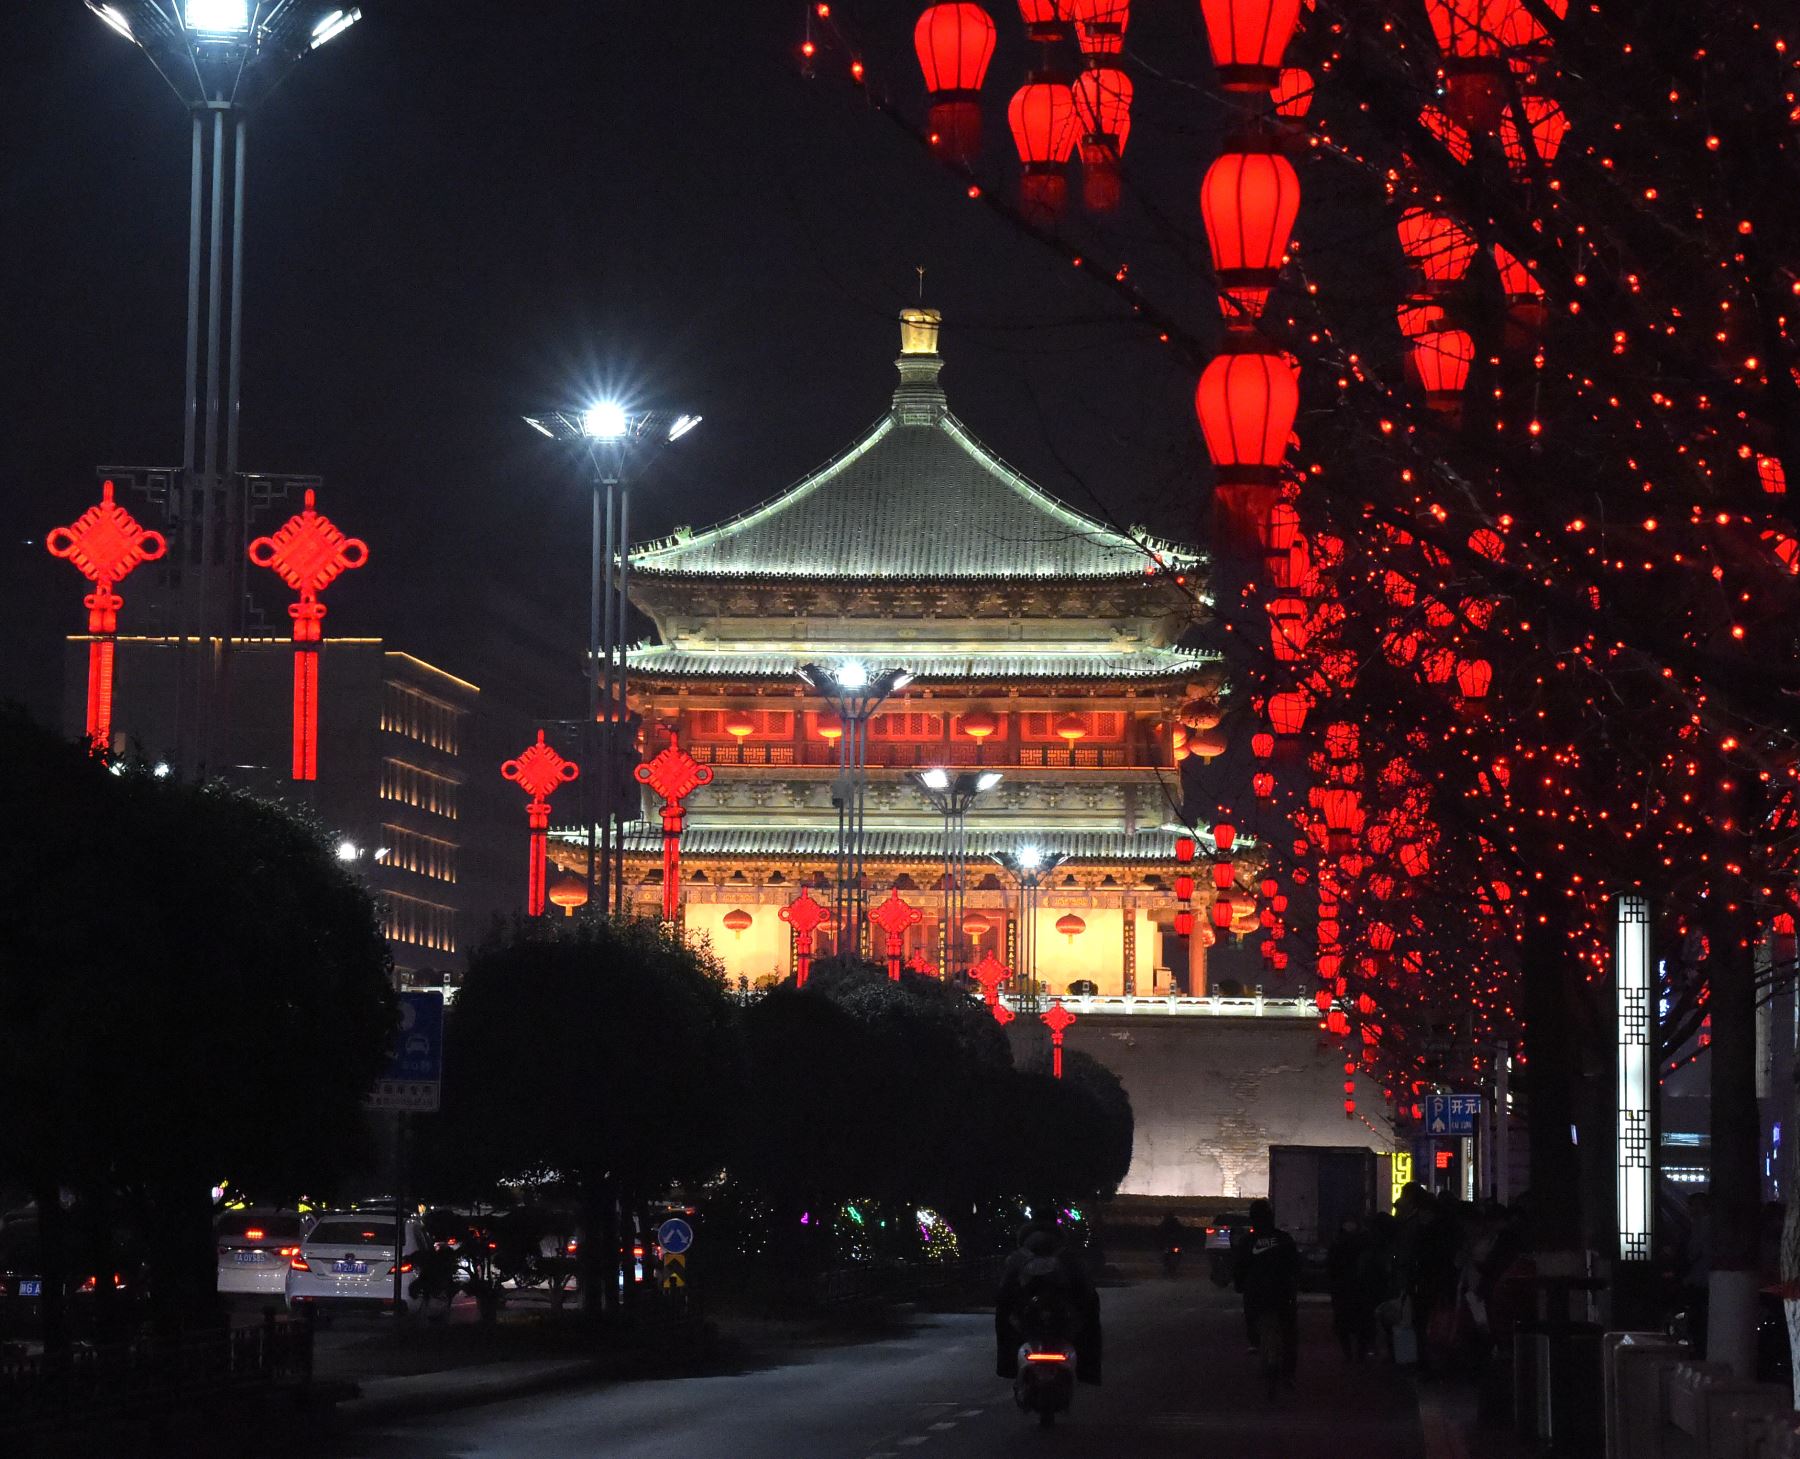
x=244, y=1257
x=33, y=1288
x=350, y=1268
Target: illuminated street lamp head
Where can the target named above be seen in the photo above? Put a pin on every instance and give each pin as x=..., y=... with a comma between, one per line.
x=936, y=778
x=987, y=780
x=348, y=851
x=225, y=53
x=851, y=674
x=683, y=424
x=606, y=420
x=1030, y=858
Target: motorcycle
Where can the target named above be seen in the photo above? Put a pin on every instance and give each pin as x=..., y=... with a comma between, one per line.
x=1046, y=1382
x=1171, y=1260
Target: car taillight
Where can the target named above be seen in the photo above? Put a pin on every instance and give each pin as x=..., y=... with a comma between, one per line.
x=290, y=1251
x=89, y=1285
x=1176, y=1250
x=1212, y=1230
x=255, y=1233
x=298, y=1264
x=405, y=1267
x=1046, y=1357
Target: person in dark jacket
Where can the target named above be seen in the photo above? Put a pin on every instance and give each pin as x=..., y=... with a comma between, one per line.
x=1353, y=1297
x=1268, y=1274
x=1044, y=1264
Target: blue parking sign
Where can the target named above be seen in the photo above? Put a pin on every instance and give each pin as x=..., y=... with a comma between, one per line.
x=1452, y=1114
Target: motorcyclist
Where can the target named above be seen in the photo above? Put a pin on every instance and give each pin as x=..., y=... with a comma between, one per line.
x=1044, y=1267
x=1171, y=1235
x=1267, y=1272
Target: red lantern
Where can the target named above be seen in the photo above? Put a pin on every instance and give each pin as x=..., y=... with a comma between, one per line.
x=1221, y=912
x=1288, y=631
x=737, y=921
x=1103, y=110
x=1248, y=38
x=1439, y=246
x=1248, y=201
x=1246, y=401
x=1772, y=475
x=978, y=724
x=1262, y=744
x=1262, y=785
x=1044, y=20
x=1292, y=93
x=1071, y=727
x=1441, y=360
x=1071, y=926
x=955, y=42
x=1184, y=848
x=1184, y=889
x=1288, y=710
x=1100, y=25
x=568, y=891
x=1547, y=124
x=1224, y=836
x=1043, y=122
x=1473, y=677
x=1224, y=876
x=1469, y=33
x=1184, y=923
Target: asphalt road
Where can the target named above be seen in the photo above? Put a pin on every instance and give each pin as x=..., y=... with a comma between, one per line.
x=1178, y=1383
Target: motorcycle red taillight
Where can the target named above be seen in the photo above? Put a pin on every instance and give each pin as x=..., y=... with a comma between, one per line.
x=1046, y=1357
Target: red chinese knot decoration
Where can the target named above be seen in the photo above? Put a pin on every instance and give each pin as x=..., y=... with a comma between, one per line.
x=893, y=917
x=673, y=774
x=104, y=543
x=805, y=916
x=990, y=973
x=538, y=772
x=307, y=552
x=1060, y=1021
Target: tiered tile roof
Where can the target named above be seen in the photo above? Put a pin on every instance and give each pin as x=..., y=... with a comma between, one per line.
x=1138, y=665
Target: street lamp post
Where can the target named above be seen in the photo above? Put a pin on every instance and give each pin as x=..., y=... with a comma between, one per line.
x=855, y=693
x=220, y=57
x=952, y=796
x=611, y=438
x=1029, y=867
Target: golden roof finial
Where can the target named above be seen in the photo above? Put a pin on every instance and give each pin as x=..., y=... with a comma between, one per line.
x=919, y=331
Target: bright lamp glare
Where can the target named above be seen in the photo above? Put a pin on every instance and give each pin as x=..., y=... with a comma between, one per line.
x=540, y=427
x=682, y=426
x=347, y=851
x=851, y=674
x=1031, y=858
x=334, y=24
x=112, y=17
x=606, y=421
x=987, y=780
x=218, y=17
x=161, y=770
x=935, y=779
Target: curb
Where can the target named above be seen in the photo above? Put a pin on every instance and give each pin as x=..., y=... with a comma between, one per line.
x=473, y=1387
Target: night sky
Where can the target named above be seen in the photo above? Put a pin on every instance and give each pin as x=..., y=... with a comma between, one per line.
x=462, y=211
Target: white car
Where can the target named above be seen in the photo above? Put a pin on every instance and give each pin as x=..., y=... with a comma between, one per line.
x=255, y=1247
x=348, y=1259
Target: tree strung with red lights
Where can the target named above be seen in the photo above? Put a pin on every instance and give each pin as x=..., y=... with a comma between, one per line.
x=1514, y=612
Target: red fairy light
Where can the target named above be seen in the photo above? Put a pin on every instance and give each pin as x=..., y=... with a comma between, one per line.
x=1248, y=201
x=103, y=544
x=1248, y=38
x=307, y=552
x=955, y=43
x=673, y=774
x=538, y=772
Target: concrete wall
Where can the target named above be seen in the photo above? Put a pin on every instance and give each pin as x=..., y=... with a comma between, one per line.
x=1210, y=1095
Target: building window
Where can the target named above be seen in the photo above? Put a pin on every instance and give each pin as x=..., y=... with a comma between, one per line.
x=419, y=788
x=418, y=923
x=408, y=711
x=906, y=725
x=418, y=853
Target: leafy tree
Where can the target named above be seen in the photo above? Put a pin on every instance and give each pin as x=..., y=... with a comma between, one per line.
x=605, y=1054
x=190, y=987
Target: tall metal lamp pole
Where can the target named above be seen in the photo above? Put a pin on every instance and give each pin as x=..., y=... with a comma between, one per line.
x=952, y=795
x=1029, y=866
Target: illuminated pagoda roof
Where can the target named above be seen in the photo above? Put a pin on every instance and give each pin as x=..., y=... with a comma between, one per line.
x=917, y=498
x=1140, y=665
